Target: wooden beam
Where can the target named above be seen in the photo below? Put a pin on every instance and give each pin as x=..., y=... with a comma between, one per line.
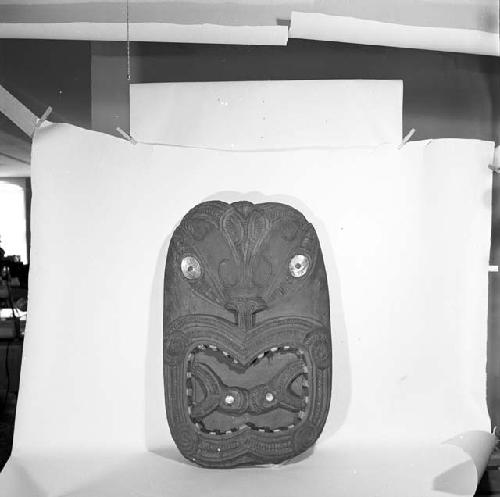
x=17, y=112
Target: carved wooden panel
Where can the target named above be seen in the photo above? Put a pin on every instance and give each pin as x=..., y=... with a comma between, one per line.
x=247, y=347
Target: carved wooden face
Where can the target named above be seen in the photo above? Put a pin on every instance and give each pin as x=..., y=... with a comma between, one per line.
x=247, y=348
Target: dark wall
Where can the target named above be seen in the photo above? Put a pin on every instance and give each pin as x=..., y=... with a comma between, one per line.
x=46, y=72
x=445, y=94
x=42, y=73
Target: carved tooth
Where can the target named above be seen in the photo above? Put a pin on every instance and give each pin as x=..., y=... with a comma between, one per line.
x=262, y=430
x=235, y=361
x=212, y=433
x=241, y=427
x=305, y=369
x=213, y=347
x=300, y=415
x=225, y=353
x=274, y=349
x=306, y=399
x=198, y=426
x=190, y=356
x=228, y=432
x=276, y=431
x=189, y=409
x=188, y=374
x=305, y=383
x=189, y=392
x=201, y=347
x=260, y=356
x=286, y=347
x=291, y=426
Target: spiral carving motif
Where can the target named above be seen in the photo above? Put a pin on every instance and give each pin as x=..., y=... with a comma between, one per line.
x=175, y=348
x=186, y=439
x=304, y=437
x=320, y=348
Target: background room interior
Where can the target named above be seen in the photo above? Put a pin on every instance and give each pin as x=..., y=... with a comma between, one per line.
x=188, y=82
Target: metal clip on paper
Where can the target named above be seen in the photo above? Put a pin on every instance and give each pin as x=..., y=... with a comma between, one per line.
x=407, y=138
x=126, y=136
x=42, y=118
x=495, y=165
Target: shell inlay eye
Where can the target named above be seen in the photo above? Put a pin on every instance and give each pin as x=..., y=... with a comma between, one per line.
x=299, y=265
x=190, y=267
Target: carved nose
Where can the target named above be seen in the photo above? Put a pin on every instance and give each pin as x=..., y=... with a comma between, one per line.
x=245, y=310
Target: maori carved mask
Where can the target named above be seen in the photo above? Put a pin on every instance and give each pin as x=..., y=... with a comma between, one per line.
x=247, y=347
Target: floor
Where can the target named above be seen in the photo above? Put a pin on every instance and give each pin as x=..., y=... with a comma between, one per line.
x=10, y=368
x=7, y=427
x=489, y=485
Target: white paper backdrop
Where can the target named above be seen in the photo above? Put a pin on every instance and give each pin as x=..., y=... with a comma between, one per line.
x=405, y=235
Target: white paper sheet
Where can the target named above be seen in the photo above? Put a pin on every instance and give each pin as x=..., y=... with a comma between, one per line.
x=102, y=31
x=209, y=33
x=405, y=236
x=150, y=31
x=268, y=114
x=316, y=26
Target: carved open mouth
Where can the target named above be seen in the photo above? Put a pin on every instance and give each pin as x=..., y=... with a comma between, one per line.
x=270, y=394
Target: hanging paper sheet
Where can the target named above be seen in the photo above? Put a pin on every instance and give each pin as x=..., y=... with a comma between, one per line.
x=318, y=26
x=268, y=114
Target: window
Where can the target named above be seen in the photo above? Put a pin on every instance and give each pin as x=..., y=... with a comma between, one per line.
x=13, y=217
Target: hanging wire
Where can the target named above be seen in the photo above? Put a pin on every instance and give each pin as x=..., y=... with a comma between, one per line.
x=128, y=44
